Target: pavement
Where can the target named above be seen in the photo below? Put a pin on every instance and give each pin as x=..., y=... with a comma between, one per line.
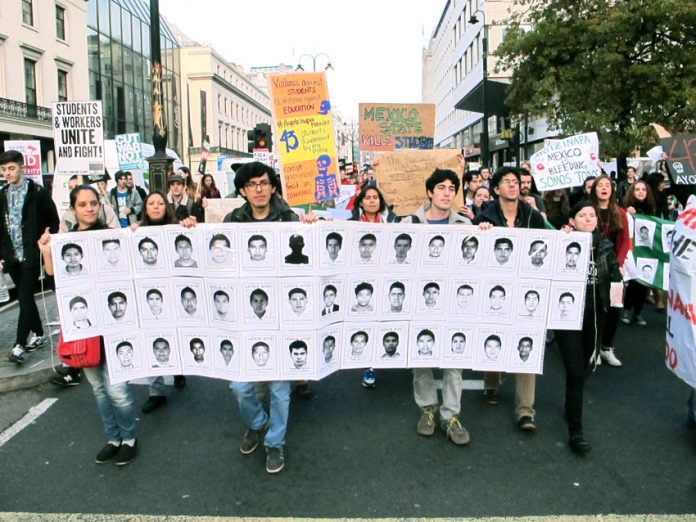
x=38, y=366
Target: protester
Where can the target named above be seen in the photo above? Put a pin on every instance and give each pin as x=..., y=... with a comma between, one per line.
x=114, y=401
x=106, y=214
x=557, y=207
x=130, y=183
x=529, y=193
x=190, y=187
x=125, y=201
x=481, y=198
x=580, y=193
x=613, y=225
x=441, y=189
x=371, y=207
x=623, y=186
x=181, y=202
x=639, y=200
x=27, y=210
x=208, y=188
x=259, y=185
x=509, y=211
x=472, y=180
x=579, y=348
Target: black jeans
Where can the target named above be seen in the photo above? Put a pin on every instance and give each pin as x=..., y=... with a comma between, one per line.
x=24, y=278
x=576, y=349
x=611, y=324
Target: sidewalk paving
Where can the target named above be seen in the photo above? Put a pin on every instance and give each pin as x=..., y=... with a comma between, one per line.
x=38, y=366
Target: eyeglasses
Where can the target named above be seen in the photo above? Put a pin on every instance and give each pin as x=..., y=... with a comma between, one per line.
x=263, y=185
x=509, y=182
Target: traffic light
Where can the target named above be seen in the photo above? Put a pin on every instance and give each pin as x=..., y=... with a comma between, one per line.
x=260, y=137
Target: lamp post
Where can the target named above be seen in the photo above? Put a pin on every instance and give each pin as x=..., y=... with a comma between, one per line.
x=314, y=62
x=485, y=154
x=159, y=162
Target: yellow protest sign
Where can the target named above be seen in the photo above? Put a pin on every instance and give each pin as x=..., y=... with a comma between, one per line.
x=401, y=175
x=304, y=137
x=397, y=126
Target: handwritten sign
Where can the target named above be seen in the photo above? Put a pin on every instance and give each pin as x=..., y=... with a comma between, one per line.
x=401, y=175
x=31, y=151
x=396, y=126
x=567, y=162
x=304, y=137
x=681, y=158
x=78, y=135
x=217, y=209
x=129, y=151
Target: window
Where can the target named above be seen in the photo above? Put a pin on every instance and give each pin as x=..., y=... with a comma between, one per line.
x=62, y=86
x=60, y=22
x=30, y=81
x=28, y=12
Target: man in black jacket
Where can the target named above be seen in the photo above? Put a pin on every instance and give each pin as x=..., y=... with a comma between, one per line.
x=509, y=211
x=26, y=210
x=179, y=201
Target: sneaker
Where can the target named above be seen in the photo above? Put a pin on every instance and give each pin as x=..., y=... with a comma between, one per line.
x=37, y=342
x=275, y=459
x=579, y=445
x=107, y=453
x=179, y=381
x=66, y=379
x=251, y=439
x=607, y=355
x=369, y=379
x=626, y=317
x=491, y=397
x=640, y=321
x=153, y=402
x=426, y=423
x=526, y=423
x=17, y=354
x=455, y=431
x=126, y=454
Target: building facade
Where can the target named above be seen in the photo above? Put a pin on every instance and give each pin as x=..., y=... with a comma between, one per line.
x=118, y=42
x=43, y=59
x=453, y=79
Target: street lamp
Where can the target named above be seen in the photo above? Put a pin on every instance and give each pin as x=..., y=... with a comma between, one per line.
x=485, y=155
x=314, y=62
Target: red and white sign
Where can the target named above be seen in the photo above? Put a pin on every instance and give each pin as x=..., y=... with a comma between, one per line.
x=31, y=150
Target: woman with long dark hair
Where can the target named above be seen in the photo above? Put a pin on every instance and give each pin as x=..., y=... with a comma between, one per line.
x=557, y=207
x=371, y=207
x=612, y=225
x=114, y=401
x=208, y=188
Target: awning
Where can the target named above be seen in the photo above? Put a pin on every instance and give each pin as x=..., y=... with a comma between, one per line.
x=473, y=100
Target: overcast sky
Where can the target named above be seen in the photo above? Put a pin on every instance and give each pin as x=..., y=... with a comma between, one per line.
x=375, y=46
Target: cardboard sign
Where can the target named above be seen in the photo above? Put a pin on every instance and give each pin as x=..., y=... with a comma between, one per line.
x=304, y=137
x=78, y=134
x=401, y=175
x=129, y=152
x=681, y=158
x=680, y=340
x=567, y=162
x=396, y=126
x=217, y=209
x=31, y=150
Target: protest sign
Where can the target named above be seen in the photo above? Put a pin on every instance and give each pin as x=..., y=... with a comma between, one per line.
x=217, y=209
x=401, y=175
x=304, y=137
x=395, y=126
x=648, y=261
x=567, y=162
x=31, y=151
x=129, y=152
x=78, y=134
x=680, y=340
x=681, y=158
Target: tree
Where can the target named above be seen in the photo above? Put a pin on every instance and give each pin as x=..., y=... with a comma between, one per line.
x=611, y=66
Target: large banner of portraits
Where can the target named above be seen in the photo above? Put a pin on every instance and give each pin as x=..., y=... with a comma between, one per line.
x=269, y=301
x=648, y=261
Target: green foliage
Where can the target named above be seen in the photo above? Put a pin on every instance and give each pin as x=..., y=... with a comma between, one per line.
x=611, y=66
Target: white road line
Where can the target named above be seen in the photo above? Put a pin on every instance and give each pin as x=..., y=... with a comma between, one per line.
x=22, y=423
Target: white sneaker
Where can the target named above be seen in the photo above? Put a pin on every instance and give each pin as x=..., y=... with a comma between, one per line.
x=626, y=317
x=607, y=355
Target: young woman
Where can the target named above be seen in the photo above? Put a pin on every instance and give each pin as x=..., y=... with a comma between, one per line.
x=639, y=200
x=579, y=349
x=612, y=225
x=481, y=196
x=189, y=185
x=557, y=207
x=208, y=188
x=114, y=401
x=157, y=212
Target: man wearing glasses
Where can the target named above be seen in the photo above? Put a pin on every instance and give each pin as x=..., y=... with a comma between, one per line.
x=507, y=210
x=260, y=187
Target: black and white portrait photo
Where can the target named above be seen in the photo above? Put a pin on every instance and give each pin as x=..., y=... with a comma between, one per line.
x=457, y=350
x=330, y=339
x=531, y=300
x=392, y=348
x=260, y=305
x=223, y=305
x=397, y=301
x=299, y=303
x=363, y=297
x=71, y=257
x=260, y=357
x=464, y=297
x=258, y=248
x=425, y=344
x=644, y=232
x=647, y=269
x=78, y=313
x=118, y=307
x=666, y=233
x=184, y=249
x=538, y=248
x=572, y=256
x=161, y=353
x=400, y=249
x=490, y=348
x=196, y=351
x=125, y=357
x=297, y=248
x=498, y=297
x=469, y=248
x=113, y=256
x=154, y=301
x=368, y=244
x=189, y=300
x=220, y=246
x=436, y=247
x=149, y=252
x=226, y=353
x=299, y=356
x=333, y=246
x=566, y=305
x=504, y=251
x=358, y=346
x=527, y=349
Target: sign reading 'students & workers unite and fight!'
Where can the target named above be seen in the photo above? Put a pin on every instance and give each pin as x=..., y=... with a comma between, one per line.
x=304, y=137
x=78, y=134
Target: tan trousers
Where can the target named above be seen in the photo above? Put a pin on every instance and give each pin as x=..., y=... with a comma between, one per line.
x=525, y=386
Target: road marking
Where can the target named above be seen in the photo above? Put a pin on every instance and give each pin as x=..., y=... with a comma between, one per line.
x=22, y=423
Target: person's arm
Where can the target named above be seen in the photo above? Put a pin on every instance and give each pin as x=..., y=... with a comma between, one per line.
x=44, y=244
x=137, y=203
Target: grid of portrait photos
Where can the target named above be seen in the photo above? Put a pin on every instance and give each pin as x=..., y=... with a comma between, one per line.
x=269, y=301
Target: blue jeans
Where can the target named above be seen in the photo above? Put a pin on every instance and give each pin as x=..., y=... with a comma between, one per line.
x=255, y=417
x=692, y=405
x=115, y=404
